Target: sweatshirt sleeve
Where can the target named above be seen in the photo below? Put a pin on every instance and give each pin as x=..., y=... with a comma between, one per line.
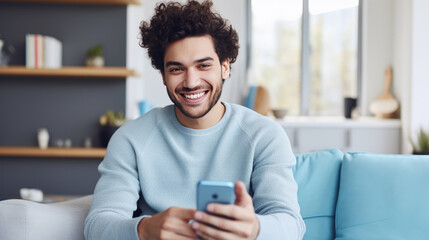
x=116, y=194
x=280, y=226
x=273, y=187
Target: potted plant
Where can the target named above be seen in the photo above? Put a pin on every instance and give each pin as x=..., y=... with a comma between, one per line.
x=95, y=56
x=422, y=144
x=109, y=122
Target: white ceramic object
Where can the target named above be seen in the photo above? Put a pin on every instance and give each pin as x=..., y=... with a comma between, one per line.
x=1, y=47
x=385, y=105
x=88, y=142
x=35, y=195
x=43, y=138
x=95, y=62
x=279, y=113
x=68, y=143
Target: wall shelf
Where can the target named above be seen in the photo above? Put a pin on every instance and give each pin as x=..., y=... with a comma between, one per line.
x=107, y=72
x=99, y=2
x=12, y=151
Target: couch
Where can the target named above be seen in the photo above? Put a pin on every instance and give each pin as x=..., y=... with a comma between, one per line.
x=342, y=196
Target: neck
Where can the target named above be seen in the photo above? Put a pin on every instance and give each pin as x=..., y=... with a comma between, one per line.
x=208, y=120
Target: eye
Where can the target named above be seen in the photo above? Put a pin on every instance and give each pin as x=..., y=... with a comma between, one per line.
x=204, y=66
x=175, y=70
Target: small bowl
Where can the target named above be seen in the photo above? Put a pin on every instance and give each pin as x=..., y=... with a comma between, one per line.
x=279, y=113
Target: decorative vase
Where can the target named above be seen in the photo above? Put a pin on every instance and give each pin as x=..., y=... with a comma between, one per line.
x=420, y=153
x=97, y=61
x=1, y=49
x=43, y=138
x=106, y=133
x=279, y=113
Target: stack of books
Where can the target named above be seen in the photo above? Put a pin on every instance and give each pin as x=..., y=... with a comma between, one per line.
x=43, y=51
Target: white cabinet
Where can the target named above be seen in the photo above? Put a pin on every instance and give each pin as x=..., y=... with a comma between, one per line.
x=315, y=139
x=375, y=140
x=362, y=135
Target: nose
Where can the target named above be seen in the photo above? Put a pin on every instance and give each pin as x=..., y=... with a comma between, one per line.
x=192, y=79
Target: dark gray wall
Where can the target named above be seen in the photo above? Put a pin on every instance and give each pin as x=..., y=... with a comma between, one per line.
x=54, y=176
x=67, y=107
x=78, y=27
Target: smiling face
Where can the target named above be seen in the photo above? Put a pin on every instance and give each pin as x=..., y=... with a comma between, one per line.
x=193, y=76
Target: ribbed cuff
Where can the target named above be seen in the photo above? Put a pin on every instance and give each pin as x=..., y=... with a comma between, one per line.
x=277, y=226
x=136, y=224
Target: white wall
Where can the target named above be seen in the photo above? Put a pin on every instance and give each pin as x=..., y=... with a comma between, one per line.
x=154, y=90
x=236, y=87
x=395, y=32
x=402, y=64
x=377, y=46
x=419, y=96
x=410, y=50
x=135, y=61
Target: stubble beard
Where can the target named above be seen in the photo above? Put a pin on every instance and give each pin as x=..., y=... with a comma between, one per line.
x=212, y=103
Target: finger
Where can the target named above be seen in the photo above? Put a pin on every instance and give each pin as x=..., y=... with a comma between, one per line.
x=216, y=221
x=210, y=233
x=177, y=219
x=230, y=211
x=182, y=213
x=179, y=227
x=172, y=235
x=240, y=228
x=242, y=198
x=203, y=236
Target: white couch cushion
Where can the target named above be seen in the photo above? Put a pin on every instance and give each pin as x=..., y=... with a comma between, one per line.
x=25, y=220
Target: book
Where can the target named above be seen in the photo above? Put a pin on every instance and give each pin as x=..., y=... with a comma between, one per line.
x=38, y=51
x=43, y=51
x=52, y=52
x=29, y=53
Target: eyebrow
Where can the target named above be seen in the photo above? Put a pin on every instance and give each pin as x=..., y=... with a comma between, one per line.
x=173, y=63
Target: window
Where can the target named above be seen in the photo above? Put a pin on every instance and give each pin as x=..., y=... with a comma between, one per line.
x=305, y=52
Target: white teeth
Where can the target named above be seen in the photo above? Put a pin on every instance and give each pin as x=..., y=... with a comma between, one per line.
x=194, y=96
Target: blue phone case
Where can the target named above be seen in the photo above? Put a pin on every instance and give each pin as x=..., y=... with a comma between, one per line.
x=214, y=191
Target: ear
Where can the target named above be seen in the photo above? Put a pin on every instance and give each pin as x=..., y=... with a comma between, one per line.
x=225, y=69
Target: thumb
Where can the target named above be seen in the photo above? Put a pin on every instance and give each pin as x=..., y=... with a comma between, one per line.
x=242, y=198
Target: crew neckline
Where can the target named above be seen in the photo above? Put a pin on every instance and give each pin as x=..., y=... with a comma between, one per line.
x=205, y=131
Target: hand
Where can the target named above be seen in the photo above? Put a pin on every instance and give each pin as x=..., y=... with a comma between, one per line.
x=169, y=224
x=242, y=222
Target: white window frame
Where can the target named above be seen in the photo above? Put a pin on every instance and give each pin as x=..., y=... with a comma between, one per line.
x=305, y=54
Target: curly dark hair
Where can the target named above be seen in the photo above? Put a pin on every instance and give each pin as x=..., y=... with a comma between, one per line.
x=174, y=21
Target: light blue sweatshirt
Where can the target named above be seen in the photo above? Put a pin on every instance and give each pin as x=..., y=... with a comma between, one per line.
x=154, y=162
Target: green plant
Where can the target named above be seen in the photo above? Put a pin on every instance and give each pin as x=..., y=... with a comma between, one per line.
x=422, y=145
x=112, y=118
x=95, y=51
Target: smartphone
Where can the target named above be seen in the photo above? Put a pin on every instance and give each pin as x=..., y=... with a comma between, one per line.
x=214, y=192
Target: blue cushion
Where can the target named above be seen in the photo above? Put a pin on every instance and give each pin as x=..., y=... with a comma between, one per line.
x=250, y=100
x=383, y=197
x=317, y=176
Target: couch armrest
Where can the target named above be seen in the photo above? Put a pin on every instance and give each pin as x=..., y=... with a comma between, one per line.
x=22, y=219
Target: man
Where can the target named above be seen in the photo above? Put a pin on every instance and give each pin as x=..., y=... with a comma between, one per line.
x=147, y=188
